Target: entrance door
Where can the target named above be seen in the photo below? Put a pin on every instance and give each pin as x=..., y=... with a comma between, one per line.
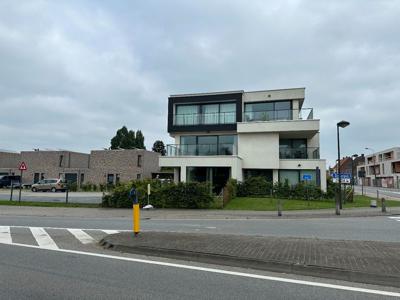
x=36, y=177
x=71, y=177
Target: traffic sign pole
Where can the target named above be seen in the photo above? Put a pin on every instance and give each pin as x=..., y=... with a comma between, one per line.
x=22, y=167
x=20, y=187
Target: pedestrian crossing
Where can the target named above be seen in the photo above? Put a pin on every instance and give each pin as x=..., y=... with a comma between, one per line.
x=395, y=218
x=52, y=238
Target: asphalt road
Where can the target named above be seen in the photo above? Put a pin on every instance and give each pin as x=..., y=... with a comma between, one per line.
x=57, y=257
x=350, y=228
x=393, y=194
x=30, y=273
x=73, y=197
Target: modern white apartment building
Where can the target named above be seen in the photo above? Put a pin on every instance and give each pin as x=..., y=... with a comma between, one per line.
x=384, y=166
x=239, y=134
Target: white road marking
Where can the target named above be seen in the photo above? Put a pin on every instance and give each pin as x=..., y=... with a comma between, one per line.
x=5, y=235
x=211, y=227
x=49, y=227
x=43, y=238
x=220, y=271
x=82, y=236
x=395, y=218
x=110, y=231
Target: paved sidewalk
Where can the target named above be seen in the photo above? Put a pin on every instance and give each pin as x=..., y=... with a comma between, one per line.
x=359, y=261
x=182, y=214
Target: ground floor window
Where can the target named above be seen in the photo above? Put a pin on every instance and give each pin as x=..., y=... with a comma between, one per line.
x=71, y=177
x=266, y=173
x=296, y=176
x=110, y=178
x=216, y=176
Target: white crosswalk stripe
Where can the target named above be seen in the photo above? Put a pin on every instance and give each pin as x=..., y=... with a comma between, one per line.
x=82, y=236
x=110, y=231
x=5, y=235
x=43, y=238
x=395, y=218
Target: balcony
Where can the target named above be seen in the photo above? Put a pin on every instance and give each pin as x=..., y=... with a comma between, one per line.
x=205, y=119
x=298, y=153
x=201, y=150
x=278, y=115
x=299, y=123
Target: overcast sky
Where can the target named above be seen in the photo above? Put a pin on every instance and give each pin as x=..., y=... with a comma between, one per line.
x=73, y=72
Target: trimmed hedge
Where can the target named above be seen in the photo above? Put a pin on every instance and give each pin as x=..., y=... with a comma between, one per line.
x=259, y=186
x=169, y=195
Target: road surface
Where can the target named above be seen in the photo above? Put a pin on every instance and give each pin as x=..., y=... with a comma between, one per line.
x=392, y=194
x=53, y=263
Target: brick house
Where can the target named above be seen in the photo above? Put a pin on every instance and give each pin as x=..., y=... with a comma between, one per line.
x=98, y=167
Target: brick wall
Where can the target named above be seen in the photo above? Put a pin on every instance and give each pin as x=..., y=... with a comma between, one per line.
x=121, y=163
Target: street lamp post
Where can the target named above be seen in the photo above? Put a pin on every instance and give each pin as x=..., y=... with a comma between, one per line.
x=341, y=124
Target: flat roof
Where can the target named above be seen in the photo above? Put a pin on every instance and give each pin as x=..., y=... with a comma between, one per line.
x=208, y=93
x=232, y=92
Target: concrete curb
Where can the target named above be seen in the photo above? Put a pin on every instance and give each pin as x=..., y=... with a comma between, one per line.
x=265, y=265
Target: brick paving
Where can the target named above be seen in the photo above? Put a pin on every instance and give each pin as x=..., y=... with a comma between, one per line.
x=378, y=261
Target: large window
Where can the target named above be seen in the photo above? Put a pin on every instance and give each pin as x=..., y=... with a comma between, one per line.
x=187, y=114
x=296, y=176
x=293, y=148
x=213, y=113
x=208, y=145
x=268, y=111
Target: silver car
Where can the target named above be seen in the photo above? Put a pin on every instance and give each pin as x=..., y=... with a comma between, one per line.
x=50, y=184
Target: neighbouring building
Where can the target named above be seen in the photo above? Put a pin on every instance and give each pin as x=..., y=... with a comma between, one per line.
x=9, y=162
x=114, y=166
x=98, y=167
x=348, y=165
x=239, y=134
x=381, y=169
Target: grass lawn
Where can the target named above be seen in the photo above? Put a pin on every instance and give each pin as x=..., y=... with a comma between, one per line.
x=250, y=203
x=47, y=204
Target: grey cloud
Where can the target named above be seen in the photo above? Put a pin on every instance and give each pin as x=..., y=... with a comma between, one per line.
x=115, y=63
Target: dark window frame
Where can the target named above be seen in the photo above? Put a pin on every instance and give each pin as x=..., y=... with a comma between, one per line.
x=271, y=102
x=214, y=135
x=200, y=110
x=206, y=99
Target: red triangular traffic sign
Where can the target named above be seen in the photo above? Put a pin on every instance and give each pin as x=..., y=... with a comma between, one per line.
x=22, y=167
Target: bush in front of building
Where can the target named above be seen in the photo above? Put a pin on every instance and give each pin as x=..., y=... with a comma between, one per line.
x=259, y=186
x=167, y=195
x=254, y=186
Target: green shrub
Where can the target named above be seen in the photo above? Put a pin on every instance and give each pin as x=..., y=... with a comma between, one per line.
x=72, y=187
x=254, y=186
x=87, y=187
x=168, y=195
x=282, y=190
x=232, y=186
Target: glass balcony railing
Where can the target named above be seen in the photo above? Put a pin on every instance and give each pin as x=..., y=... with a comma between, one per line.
x=274, y=115
x=205, y=118
x=201, y=150
x=298, y=153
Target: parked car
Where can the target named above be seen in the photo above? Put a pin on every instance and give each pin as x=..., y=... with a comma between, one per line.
x=8, y=180
x=50, y=184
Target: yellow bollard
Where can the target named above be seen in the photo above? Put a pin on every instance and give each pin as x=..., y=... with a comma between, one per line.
x=136, y=219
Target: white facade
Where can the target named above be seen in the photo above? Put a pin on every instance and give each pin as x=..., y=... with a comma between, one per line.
x=384, y=165
x=272, y=134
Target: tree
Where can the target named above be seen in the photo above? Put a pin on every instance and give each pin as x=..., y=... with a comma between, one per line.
x=125, y=139
x=140, y=140
x=159, y=147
